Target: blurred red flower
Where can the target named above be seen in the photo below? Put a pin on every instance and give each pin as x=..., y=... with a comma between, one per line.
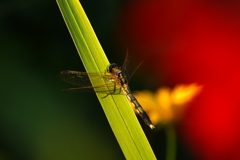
x=188, y=42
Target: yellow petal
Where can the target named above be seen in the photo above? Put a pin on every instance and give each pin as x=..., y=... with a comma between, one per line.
x=183, y=94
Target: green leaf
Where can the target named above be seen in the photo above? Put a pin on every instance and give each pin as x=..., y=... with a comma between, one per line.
x=119, y=113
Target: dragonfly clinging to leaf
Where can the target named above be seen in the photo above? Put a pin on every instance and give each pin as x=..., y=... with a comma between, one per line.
x=116, y=82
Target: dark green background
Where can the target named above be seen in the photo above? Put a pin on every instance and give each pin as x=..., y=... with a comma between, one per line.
x=37, y=120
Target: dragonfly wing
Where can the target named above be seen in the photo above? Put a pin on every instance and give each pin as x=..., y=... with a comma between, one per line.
x=75, y=78
x=78, y=78
x=126, y=67
x=98, y=89
x=82, y=80
x=126, y=63
x=79, y=89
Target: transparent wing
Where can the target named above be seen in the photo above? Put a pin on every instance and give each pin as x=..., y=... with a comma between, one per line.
x=82, y=80
x=78, y=78
x=125, y=66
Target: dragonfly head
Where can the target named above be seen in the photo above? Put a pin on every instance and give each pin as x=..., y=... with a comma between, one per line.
x=112, y=66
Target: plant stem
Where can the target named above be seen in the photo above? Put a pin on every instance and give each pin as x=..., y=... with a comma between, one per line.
x=170, y=142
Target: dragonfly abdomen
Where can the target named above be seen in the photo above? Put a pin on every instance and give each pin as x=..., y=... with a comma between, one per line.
x=137, y=106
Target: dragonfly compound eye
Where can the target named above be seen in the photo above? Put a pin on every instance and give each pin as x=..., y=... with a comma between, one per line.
x=111, y=66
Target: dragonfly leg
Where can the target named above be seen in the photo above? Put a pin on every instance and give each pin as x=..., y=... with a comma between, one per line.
x=119, y=90
x=106, y=95
x=114, y=89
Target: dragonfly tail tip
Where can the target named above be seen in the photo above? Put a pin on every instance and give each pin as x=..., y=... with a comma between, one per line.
x=151, y=126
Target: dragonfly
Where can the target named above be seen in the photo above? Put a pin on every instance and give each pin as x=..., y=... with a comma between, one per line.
x=116, y=81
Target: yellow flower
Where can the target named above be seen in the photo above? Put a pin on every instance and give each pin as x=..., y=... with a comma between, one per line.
x=166, y=105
